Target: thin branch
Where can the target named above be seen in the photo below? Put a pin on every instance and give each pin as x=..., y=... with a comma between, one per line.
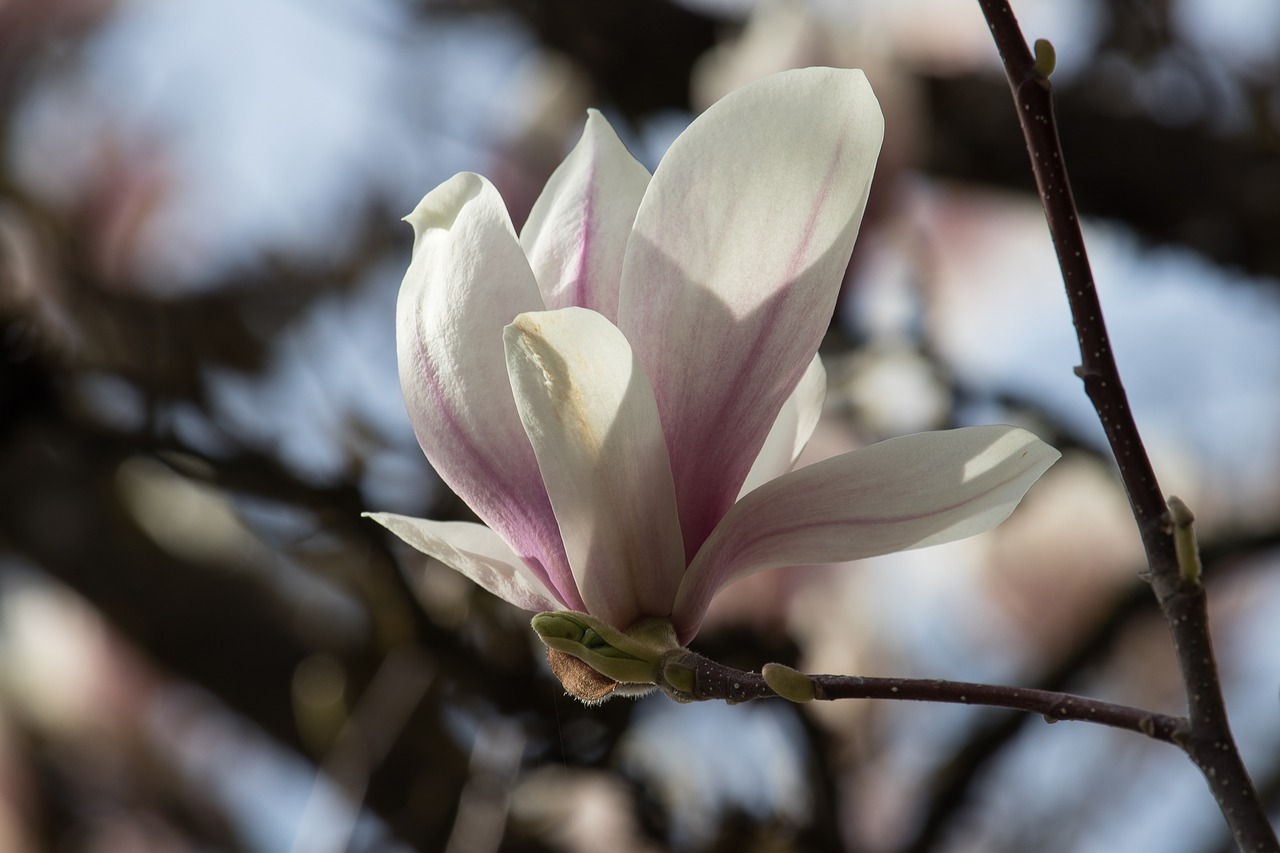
x=1182, y=599
x=690, y=677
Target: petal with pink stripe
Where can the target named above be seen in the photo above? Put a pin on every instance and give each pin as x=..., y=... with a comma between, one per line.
x=467, y=279
x=734, y=264
x=577, y=232
x=899, y=494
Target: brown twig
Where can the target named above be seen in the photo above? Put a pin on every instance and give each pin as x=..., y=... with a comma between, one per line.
x=1209, y=741
x=690, y=677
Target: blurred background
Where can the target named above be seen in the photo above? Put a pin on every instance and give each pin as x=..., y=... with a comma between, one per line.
x=204, y=647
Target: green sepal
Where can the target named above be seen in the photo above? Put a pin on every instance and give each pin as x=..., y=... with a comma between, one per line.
x=628, y=657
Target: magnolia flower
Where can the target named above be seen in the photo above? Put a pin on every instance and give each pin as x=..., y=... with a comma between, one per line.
x=620, y=391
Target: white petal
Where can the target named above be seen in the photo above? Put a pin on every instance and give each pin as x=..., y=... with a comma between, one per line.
x=899, y=494
x=477, y=552
x=590, y=414
x=791, y=430
x=467, y=280
x=576, y=234
x=732, y=271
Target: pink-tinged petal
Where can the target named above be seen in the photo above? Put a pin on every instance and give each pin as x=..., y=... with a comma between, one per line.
x=468, y=278
x=899, y=494
x=477, y=552
x=791, y=429
x=734, y=264
x=590, y=414
x=577, y=232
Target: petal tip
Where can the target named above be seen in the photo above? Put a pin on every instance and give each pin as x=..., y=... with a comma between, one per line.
x=440, y=207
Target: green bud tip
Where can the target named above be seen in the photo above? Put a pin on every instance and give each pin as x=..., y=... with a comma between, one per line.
x=790, y=684
x=1046, y=58
x=1184, y=539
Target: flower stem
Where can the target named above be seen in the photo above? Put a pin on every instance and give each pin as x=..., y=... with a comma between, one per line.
x=1181, y=594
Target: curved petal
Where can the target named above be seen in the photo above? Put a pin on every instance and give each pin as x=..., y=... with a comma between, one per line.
x=577, y=232
x=899, y=494
x=477, y=552
x=589, y=412
x=468, y=278
x=734, y=264
x=791, y=429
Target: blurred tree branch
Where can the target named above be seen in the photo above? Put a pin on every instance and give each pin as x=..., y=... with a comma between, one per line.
x=1210, y=192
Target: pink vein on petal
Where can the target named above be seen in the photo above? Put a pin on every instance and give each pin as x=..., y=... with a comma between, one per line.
x=522, y=529
x=715, y=579
x=700, y=526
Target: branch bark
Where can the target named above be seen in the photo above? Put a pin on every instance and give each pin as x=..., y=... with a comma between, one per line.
x=690, y=677
x=1209, y=742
